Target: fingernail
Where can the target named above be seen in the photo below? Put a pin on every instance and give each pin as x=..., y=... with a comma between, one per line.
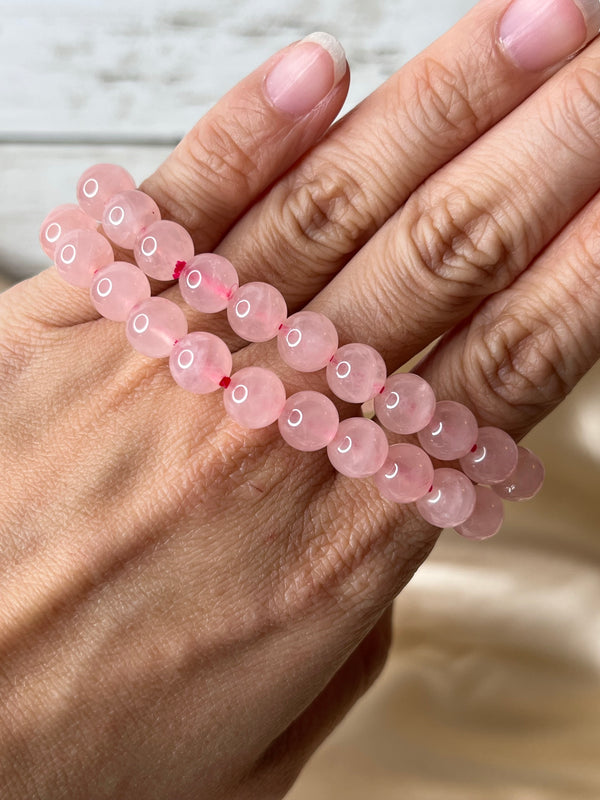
x=537, y=34
x=306, y=74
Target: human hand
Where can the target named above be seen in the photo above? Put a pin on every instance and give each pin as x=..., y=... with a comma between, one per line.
x=135, y=497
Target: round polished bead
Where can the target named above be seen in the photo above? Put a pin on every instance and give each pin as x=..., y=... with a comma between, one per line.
x=79, y=254
x=451, y=500
x=255, y=397
x=309, y=421
x=451, y=433
x=359, y=447
x=160, y=247
x=207, y=282
x=154, y=325
x=407, y=403
x=60, y=221
x=116, y=288
x=307, y=341
x=407, y=474
x=493, y=459
x=356, y=373
x=199, y=362
x=98, y=184
x=487, y=517
x=525, y=481
x=256, y=310
x=126, y=214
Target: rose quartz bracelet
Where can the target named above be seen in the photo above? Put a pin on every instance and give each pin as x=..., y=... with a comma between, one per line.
x=493, y=466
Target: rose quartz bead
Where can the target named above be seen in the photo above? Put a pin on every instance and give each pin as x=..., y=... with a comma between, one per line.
x=359, y=447
x=98, y=184
x=79, y=254
x=207, y=282
x=407, y=403
x=493, y=459
x=487, y=517
x=199, y=362
x=407, y=474
x=60, y=221
x=116, y=288
x=307, y=341
x=356, y=373
x=451, y=433
x=309, y=421
x=126, y=214
x=451, y=500
x=159, y=247
x=255, y=397
x=256, y=310
x=526, y=480
x=154, y=325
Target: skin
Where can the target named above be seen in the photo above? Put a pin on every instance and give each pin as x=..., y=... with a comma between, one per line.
x=188, y=608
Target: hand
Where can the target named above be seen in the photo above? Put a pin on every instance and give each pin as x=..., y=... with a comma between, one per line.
x=188, y=607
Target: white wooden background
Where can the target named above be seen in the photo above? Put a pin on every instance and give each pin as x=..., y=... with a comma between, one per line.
x=122, y=80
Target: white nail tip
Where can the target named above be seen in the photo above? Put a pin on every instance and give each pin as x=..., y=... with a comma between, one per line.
x=335, y=50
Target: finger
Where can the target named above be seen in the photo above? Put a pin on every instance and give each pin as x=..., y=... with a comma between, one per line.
x=368, y=165
x=281, y=763
x=231, y=155
x=525, y=348
x=251, y=137
x=471, y=229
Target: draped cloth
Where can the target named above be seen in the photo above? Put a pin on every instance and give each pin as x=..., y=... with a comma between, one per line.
x=492, y=688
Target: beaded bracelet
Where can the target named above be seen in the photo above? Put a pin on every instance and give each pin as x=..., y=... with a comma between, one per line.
x=494, y=467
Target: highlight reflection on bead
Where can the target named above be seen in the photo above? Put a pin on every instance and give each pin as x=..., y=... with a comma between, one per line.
x=126, y=214
x=60, y=221
x=79, y=254
x=451, y=500
x=307, y=341
x=356, y=373
x=117, y=288
x=308, y=421
x=199, y=361
x=98, y=184
x=526, y=480
x=451, y=433
x=207, y=282
x=406, y=475
x=406, y=404
x=154, y=325
x=256, y=310
x=359, y=447
x=160, y=246
x=255, y=397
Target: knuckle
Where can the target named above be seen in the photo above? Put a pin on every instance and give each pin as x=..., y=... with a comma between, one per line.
x=578, y=126
x=455, y=248
x=329, y=212
x=444, y=109
x=519, y=368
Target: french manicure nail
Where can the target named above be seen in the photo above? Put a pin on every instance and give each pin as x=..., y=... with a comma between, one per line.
x=306, y=74
x=537, y=34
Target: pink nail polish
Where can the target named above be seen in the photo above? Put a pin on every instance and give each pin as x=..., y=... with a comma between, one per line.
x=306, y=74
x=537, y=34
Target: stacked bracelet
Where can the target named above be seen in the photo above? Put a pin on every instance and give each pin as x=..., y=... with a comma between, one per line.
x=493, y=467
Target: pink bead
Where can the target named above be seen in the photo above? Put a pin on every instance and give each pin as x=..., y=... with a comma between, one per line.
x=60, y=221
x=307, y=341
x=98, y=184
x=487, y=517
x=451, y=433
x=159, y=247
x=309, y=421
x=407, y=474
x=356, y=373
x=255, y=397
x=526, y=480
x=116, y=288
x=199, y=362
x=451, y=500
x=79, y=254
x=407, y=403
x=359, y=447
x=154, y=325
x=126, y=214
x=207, y=282
x=256, y=310
x=494, y=458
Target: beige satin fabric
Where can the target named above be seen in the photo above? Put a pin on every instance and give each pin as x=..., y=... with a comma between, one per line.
x=492, y=690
